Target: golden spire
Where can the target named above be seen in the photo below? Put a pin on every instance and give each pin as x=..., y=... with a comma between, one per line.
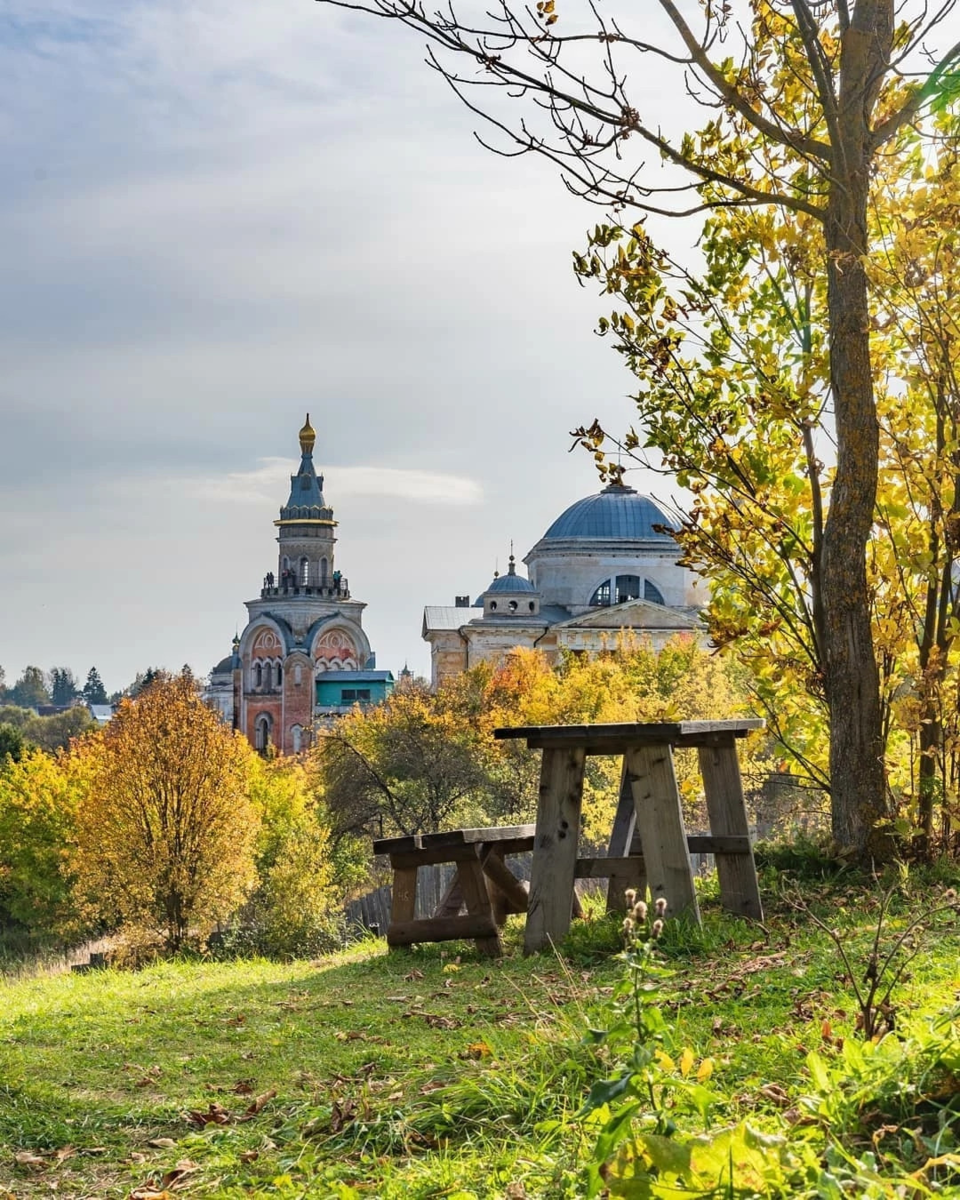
x=308, y=435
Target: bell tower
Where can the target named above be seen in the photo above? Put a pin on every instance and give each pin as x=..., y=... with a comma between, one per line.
x=306, y=537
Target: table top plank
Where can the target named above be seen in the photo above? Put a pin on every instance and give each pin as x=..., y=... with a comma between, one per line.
x=617, y=736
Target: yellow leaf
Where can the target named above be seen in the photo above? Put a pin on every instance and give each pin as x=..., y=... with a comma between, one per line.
x=705, y=1070
x=686, y=1062
x=664, y=1061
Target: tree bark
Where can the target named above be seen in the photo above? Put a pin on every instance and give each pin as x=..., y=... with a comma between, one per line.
x=852, y=683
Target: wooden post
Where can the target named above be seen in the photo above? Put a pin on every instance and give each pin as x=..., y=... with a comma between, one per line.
x=555, y=850
x=403, y=900
x=621, y=841
x=737, y=873
x=660, y=825
x=474, y=890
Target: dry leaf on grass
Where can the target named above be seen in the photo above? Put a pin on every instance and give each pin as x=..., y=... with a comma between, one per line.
x=258, y=1105
x=29, y=1158
x=216, y=1114
x=249, y=1155
x=176, y=1175
x=775, y=1094
x=162, y=1143
x=243, y=1087
x=149, y=1193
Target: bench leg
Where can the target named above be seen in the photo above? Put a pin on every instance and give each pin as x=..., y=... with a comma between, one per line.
x=737, y=873
x=403, y=903
x=660, y=825
x=474, y=890
x=555, y=849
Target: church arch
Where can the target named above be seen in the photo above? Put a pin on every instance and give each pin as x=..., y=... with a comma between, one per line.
x=258, y=675
x=296, y=738
x=601, y=597
x=262, y=732
x=268, y=677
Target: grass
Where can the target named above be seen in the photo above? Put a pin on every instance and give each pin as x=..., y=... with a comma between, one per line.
x=428, y=1074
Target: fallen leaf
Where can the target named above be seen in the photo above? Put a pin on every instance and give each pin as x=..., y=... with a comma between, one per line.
x=147, y=1192
x=174, y=1177
x=775, y=1094
x=27, y=1158
x=258, y=1105
x=216, y=1114
x=414, y=974
x=249, y=1155
x=477, y=1050
x=342, y=1115
x=243, y=1087
x=162, y=1143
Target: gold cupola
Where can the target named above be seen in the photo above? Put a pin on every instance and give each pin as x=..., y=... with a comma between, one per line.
x=308, y=437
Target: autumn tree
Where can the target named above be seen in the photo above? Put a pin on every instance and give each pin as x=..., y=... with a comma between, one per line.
x=166, y=832
x=805, y=99
x=408, y=765
x=39, y=799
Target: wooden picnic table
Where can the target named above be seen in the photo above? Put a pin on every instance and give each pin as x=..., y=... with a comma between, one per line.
x=649, y=823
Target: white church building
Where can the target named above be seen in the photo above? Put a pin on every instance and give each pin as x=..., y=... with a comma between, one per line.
x=606, y=565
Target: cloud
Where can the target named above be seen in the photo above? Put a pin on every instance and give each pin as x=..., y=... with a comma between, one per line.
x=269, y=481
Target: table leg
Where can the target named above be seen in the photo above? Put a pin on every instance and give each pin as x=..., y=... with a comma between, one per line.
x=737, y=873
x=555, y=848
x=660, y=824
x=621, y=841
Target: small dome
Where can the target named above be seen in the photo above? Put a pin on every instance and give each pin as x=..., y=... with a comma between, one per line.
x=511, y=583
x=224, y=666
x=308, y=437
x=617, y=513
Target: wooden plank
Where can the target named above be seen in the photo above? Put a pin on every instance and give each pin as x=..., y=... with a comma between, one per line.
x=499, y=833
x=555, y=849
x=403, y=903
x=442, y=929
x=617, y=736
x=621, y=840
x=387, y=845
x=699, y=843
x=499, y=874
x=630, y=868
x=477, y=900
x=660, y=825
x=451, y=901
x=737, y=873
x=437, y=854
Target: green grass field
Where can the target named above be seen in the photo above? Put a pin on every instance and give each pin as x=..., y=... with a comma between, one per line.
x=425, y=1073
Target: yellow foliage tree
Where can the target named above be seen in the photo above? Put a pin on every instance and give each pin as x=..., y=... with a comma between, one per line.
x=166, y=833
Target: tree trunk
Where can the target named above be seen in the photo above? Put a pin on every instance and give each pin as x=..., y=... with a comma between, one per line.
x=851, y=678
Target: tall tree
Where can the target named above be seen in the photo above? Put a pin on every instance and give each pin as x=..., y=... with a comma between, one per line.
x=30, y=690
x=93, y=690
x=165, y=834
x=63, y=686
x=806, y=98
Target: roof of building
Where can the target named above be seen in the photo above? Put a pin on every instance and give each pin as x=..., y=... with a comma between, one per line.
x=616, y=513
x=306, y=487
x=223, y=667
x=511, y=582
x=355, y=677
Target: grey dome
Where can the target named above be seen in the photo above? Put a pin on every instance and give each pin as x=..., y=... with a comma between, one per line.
x=511, y=583
x=616, y=514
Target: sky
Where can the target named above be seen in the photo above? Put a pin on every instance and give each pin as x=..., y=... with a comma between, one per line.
x=215, y=216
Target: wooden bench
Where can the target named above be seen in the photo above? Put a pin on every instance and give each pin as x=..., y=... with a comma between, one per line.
x=483, y=884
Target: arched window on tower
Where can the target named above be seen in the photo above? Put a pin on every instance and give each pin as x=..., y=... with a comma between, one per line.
x=279, y=674
x=261, y=733
x=323, y=571
x=628, y=588
x=601, y=596
x=296, y=738
x=304, y=571
x=258, y=675
x=652, y=592
x=268, y=677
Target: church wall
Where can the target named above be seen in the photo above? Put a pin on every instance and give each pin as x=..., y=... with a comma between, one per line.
x=570, y=577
